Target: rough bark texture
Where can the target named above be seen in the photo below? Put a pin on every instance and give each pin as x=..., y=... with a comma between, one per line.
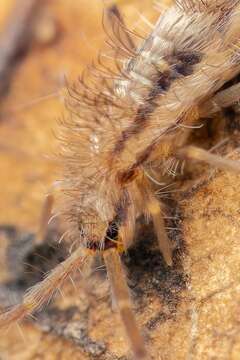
x=190, y=311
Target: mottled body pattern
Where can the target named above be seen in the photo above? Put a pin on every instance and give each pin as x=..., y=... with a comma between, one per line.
x=124, y=118
x=183, y=62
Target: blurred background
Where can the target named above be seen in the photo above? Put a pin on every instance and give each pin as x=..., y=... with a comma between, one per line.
x=43, y=44
x=60, y=39
x=189, y=312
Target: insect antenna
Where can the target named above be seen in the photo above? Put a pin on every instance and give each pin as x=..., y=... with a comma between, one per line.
x=43, y=291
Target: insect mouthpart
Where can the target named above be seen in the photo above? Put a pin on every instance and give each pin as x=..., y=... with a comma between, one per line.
x=111, y=239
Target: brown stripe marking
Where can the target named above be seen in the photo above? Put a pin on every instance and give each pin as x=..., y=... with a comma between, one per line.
x=142, y=157
x=181, y=64
x=124, y=176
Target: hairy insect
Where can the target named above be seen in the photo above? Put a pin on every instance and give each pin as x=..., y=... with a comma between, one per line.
x=128, y=116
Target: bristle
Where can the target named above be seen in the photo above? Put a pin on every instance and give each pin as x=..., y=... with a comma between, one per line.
x=206, y=6
x=118, y=26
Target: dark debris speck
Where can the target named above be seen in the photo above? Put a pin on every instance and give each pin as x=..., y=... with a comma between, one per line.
x=64, y=324
x=148, y=274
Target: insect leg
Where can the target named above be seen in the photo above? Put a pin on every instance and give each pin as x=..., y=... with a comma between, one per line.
x=121, y=294
x=154, y=208
x=43, y=291
x=195, y=153
x=45, y=215
x=221, y=100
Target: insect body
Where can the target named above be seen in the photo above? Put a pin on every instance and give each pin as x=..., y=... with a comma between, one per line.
x=125, y=119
